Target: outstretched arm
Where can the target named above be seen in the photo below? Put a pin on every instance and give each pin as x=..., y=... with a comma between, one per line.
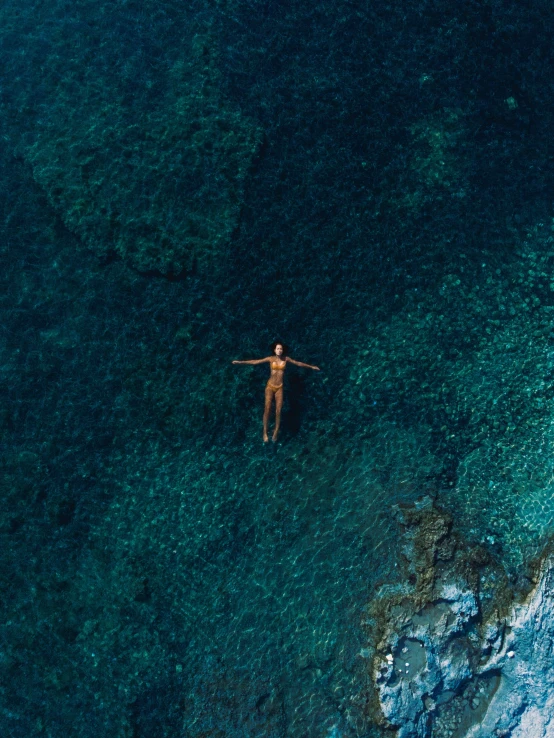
x=301, y=363
x=254, y=361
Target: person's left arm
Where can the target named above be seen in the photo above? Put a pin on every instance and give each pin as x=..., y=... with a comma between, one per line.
x=301, y=363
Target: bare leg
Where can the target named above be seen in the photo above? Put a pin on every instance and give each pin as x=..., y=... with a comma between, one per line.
x=278, y=406
x=267, y=409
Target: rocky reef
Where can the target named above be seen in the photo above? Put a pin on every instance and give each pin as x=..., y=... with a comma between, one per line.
x=148, y=167
x=462, y=650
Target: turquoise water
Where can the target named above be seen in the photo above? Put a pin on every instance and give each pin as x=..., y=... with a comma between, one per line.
x=179, y=188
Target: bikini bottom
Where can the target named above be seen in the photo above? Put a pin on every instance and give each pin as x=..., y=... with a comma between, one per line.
x=273, y=388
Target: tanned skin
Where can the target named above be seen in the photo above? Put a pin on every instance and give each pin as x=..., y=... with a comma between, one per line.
x=274, y=387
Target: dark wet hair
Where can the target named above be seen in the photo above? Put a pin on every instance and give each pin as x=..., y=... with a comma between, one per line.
x=280, y=343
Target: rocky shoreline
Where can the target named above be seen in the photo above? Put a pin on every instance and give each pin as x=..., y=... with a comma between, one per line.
x=461, y=651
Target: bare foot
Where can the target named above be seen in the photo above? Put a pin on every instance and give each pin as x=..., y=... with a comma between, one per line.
x=274, y=436
x=266, y=439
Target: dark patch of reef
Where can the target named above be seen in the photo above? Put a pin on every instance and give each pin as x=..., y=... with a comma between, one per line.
x=144, y=162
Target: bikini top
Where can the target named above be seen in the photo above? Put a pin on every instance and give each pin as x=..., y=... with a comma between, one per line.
x=275, y=365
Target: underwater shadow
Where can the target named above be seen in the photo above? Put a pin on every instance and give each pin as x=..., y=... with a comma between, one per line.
x=294, y=406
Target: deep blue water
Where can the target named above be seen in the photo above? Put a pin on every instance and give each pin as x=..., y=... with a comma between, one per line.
x=181, y=186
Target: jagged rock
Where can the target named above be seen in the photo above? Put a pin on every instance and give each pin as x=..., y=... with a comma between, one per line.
x=455, y=657
x=523, y=705
x=438, y=657
x=430, y=625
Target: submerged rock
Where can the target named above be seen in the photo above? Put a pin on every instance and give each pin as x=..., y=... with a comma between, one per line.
x=454, y=655
x=141, y=153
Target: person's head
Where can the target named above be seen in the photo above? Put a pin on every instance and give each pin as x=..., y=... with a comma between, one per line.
x=279, y=348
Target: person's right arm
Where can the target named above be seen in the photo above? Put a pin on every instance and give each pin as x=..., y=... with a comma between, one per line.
x=254, y=361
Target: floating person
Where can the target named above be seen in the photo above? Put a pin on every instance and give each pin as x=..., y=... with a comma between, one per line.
x=274, y=386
